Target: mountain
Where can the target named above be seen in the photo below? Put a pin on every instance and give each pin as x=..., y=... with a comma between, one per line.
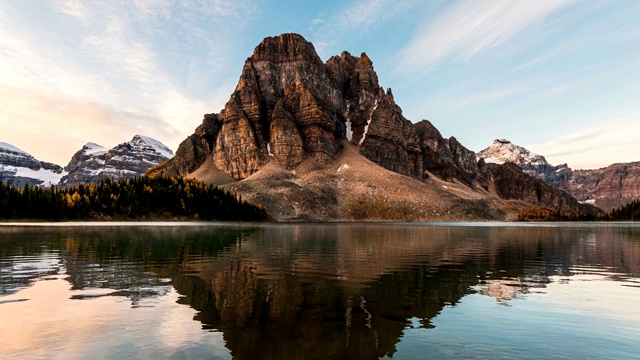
x=503, y=151
x=19, y=168
x=322, y=141
x=607, y=188
x=127, y=160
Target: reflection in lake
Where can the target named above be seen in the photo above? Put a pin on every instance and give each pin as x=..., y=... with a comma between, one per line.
x=320, y=291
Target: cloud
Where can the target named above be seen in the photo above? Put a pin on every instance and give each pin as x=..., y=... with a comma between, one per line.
x=74, y=8
x=595, y=146
x=471, y=27
x=52, y=126
x=362, y=16
x=124, y=68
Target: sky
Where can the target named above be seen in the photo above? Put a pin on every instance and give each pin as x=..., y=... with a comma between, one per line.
x=559, y=77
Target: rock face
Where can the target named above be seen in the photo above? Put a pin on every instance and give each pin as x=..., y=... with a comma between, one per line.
x=127, y=160
x=607, y=188
x=512, y=183
x=502, y=151
x=19, y=168
x=289, y=106
x=446, y=158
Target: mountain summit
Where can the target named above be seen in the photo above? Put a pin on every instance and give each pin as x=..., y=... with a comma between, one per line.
x=503, y=150
x=607, y=188
x=289, y=106
x=296, y=130
x=132, y=158
x=19, y=168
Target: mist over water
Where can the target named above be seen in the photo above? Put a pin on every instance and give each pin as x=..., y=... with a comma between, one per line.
x=320, y=291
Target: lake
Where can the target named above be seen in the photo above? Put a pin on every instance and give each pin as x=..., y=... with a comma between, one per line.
x=320, y=291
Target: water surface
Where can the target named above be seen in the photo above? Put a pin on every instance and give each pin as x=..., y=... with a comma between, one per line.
x=499, y=291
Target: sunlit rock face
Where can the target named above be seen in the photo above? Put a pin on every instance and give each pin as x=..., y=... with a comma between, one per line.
x=291, y=106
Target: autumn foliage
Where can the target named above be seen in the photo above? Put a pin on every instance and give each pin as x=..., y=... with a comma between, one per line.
x=156, y=197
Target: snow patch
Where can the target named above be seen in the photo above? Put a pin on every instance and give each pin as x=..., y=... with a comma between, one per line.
x=159, y=147
x=47, y=177
x=588, y=201
x=269, y=150
x=366, y=127
x=94, y=149
x=492, y=160
x=349, y=130
x=445, y=187
x=11, y=148
x=343, y=167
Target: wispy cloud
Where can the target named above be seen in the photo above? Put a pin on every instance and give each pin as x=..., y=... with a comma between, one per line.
x=471, y=27
x=355, y=18
x=74, y=8
x=595, y=146
x=108, y=75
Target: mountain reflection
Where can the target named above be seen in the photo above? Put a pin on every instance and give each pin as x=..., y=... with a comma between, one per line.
x=316, y=291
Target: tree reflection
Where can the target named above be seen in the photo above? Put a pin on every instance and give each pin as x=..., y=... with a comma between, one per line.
x=334, y=291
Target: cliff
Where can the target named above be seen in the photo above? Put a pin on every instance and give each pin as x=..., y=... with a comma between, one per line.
x=293, y=116
x=606, y=188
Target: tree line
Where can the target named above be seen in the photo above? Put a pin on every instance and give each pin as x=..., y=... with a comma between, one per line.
x=155, y=197
x=628, y=212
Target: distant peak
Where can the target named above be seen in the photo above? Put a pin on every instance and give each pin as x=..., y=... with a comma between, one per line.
x=92, y=148
x=159, y=147
x=11, y=148
x=503, y=150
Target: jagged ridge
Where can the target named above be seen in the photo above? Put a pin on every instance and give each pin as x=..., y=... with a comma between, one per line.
x=127, y=160
x=607, y=188
x=19, y=168
x=290, y=107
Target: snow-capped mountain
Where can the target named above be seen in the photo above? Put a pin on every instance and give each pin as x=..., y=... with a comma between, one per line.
x=503, y=151
x=127, y=160
x=19, y=167
x=606, y=188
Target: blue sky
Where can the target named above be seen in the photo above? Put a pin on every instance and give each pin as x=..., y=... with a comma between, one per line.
x=561, y=78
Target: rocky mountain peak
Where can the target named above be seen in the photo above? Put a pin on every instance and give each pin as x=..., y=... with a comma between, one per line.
x=503, y=150
x=94, y=162
x=19, y=167
x=285, y=48
x=93, y=148
x=290, y=108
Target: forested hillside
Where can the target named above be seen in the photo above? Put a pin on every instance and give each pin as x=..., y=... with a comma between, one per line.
x=155, y=197
x=629, y=212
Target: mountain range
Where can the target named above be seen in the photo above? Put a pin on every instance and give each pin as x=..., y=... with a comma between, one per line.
x=89, y=164
x=323, y=141
x=607, y=188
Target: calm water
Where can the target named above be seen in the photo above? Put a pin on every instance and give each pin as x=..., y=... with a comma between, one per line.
x=411, y=291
